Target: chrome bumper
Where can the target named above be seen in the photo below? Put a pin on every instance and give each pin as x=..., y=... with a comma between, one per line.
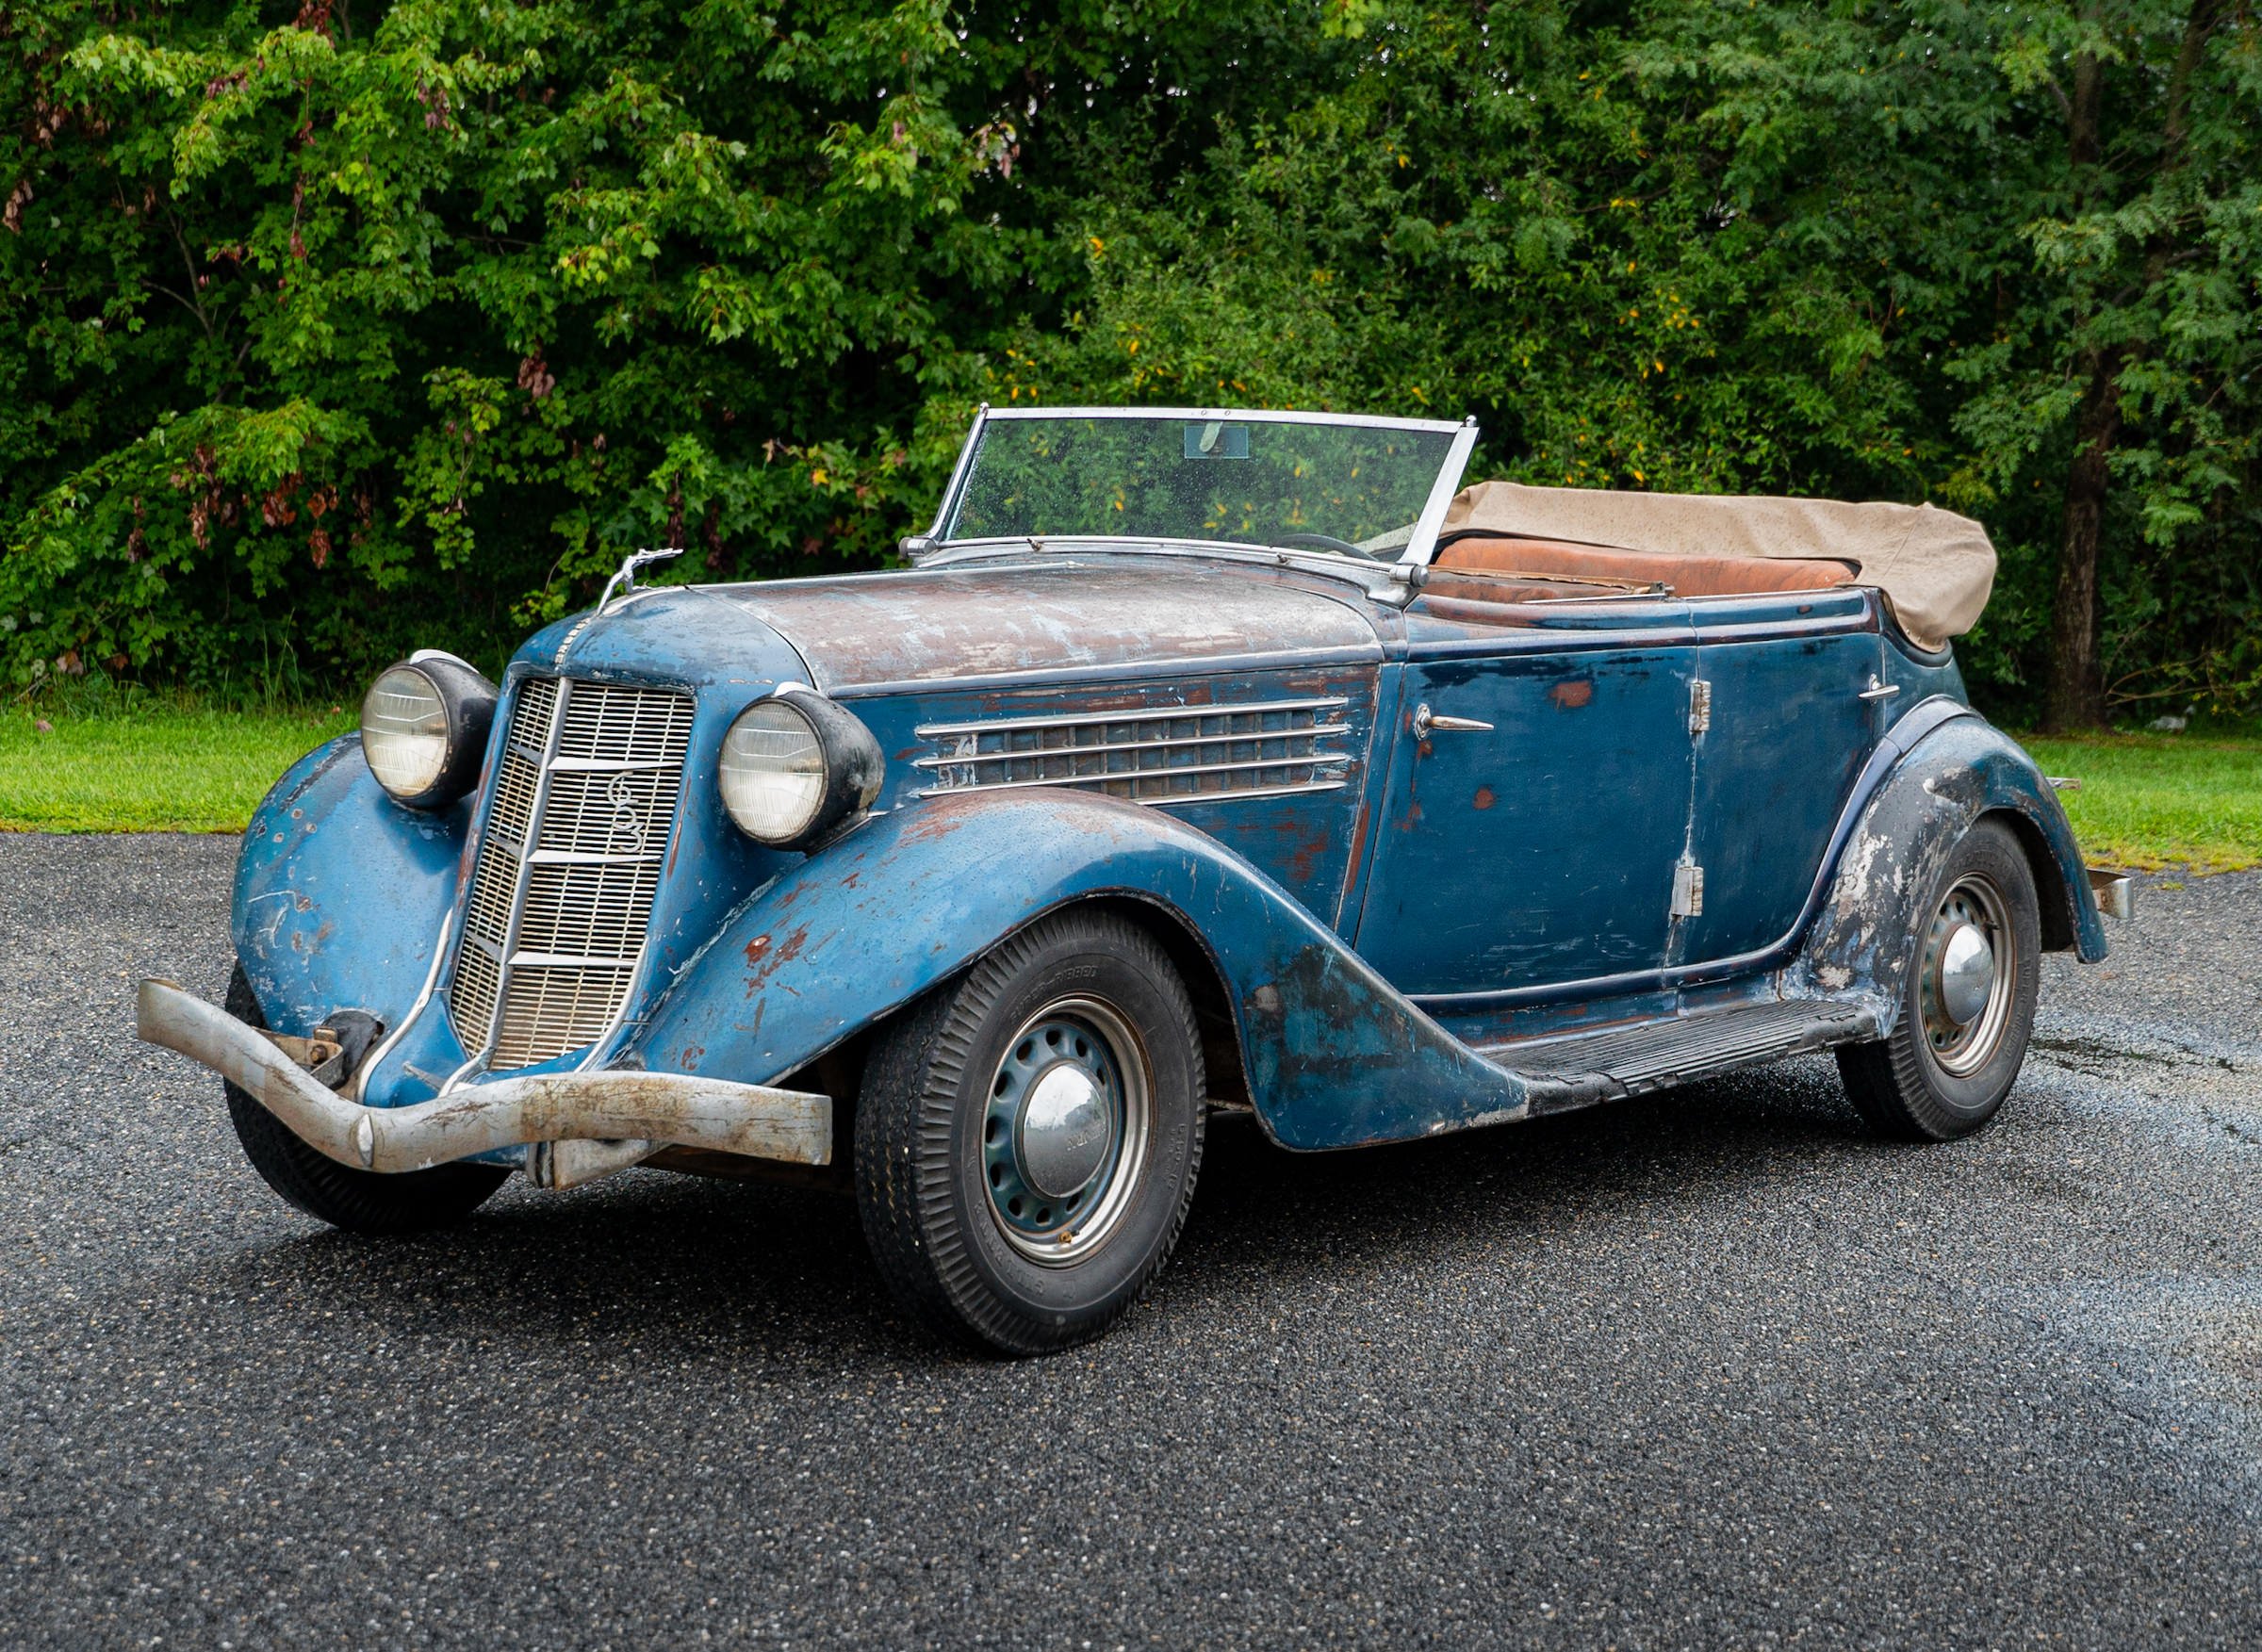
x=634, y=1113
x=2116, y=893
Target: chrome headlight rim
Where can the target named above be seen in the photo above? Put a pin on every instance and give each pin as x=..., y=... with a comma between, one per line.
x=847, y=777
x=466, y=713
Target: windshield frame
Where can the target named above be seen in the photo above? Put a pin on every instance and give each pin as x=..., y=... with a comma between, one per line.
x=1420, y=547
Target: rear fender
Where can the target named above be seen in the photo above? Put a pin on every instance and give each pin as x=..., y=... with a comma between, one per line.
x=1863, y=939
x=1332, y=1056
x=342, y=893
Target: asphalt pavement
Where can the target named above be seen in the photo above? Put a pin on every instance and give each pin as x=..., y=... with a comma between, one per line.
x=1709, y=1370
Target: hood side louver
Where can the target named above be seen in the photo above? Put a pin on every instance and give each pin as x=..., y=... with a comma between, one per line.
x=1164, y=754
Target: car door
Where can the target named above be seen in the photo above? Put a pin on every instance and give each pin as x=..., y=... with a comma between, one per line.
x=1535, y=811
x=1788, y=730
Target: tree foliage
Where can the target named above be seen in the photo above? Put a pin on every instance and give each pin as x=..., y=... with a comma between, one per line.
x=339, y=329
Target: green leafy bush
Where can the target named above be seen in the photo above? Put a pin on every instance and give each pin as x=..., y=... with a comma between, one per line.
x=334, y=329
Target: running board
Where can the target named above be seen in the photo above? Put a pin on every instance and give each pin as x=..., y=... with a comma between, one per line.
x=1577, y=1072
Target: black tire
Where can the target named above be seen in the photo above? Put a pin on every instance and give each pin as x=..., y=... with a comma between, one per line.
x=359, y=1202
x=930, y=1163
x=1918, y=1085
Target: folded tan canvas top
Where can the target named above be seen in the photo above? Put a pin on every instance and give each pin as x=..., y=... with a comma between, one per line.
x=1934, y=567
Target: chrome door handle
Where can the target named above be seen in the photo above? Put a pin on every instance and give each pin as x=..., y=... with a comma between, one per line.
x=1878, y=690
x=1425, y=720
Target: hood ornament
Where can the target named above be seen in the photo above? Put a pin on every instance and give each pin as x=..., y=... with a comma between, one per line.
x=624, y=580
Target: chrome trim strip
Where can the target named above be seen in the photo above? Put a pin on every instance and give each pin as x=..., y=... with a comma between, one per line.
x=432, y=980
x=574, y=960
x=1427, y=526
x=1231, y=414
x=1311, y=760
x=1309, y=733
x=957, y=474
x=599, y=766
x=1164, y=774
x=591, y=858
x=1083, y=782
x=1151, y=714
x=524, y=856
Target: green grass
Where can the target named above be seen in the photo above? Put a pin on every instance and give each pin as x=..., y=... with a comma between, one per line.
x=120, y=762
x=149, y=766
x=2149, y=801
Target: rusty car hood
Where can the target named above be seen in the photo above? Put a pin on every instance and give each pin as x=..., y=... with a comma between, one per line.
x=871, y=631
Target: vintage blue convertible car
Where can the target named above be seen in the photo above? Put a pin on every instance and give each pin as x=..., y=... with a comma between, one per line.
x=1200, y=760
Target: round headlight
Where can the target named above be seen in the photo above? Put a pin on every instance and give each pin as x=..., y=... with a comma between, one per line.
x=794, y=766
x=424, y=728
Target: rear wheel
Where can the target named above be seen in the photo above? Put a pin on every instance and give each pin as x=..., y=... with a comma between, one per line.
x=1967, y=1007
x=360, y=1202
x=1028, y=1136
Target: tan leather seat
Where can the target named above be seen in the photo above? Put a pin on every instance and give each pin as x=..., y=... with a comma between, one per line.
x=1688, y=575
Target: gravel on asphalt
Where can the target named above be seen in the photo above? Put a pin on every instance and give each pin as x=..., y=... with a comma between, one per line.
x=1711, y=1368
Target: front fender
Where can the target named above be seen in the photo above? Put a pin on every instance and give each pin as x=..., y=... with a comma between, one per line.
x=1334, y=1055
x=1860, y=941
x=341, y=892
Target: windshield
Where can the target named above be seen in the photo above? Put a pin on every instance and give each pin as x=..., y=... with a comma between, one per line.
x=1352, y=488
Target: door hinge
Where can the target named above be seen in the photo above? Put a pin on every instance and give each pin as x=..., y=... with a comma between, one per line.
x=1688, y=888
x=1700, y=706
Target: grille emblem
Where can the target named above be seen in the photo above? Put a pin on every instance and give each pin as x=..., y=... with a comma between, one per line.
x=622, y=796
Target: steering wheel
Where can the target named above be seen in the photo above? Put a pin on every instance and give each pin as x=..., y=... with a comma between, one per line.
x=1321, y=541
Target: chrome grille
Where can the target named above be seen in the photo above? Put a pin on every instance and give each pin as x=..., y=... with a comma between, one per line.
x=584, y=795
x=1158, y=754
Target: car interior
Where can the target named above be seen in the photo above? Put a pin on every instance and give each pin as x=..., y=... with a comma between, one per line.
x=1498, y=569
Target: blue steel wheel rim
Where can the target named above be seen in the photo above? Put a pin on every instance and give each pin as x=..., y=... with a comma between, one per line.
x=1060, y=1175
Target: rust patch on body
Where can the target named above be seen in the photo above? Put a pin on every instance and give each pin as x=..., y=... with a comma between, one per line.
x=768, y=958
x=1484, y=799
x=1303, y=844
x=1351, y=866
x=1572, y=693
x=928, y=824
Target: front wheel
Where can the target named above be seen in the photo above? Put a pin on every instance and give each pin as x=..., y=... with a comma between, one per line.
x=1028, y=1136
x=1967, y=1007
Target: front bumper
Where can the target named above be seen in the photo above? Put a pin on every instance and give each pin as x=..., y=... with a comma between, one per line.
x=634, y=1113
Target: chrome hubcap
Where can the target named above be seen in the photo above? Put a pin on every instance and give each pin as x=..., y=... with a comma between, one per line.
x=1969, y=976
x=1064, y=1135
x=1064, y=1131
